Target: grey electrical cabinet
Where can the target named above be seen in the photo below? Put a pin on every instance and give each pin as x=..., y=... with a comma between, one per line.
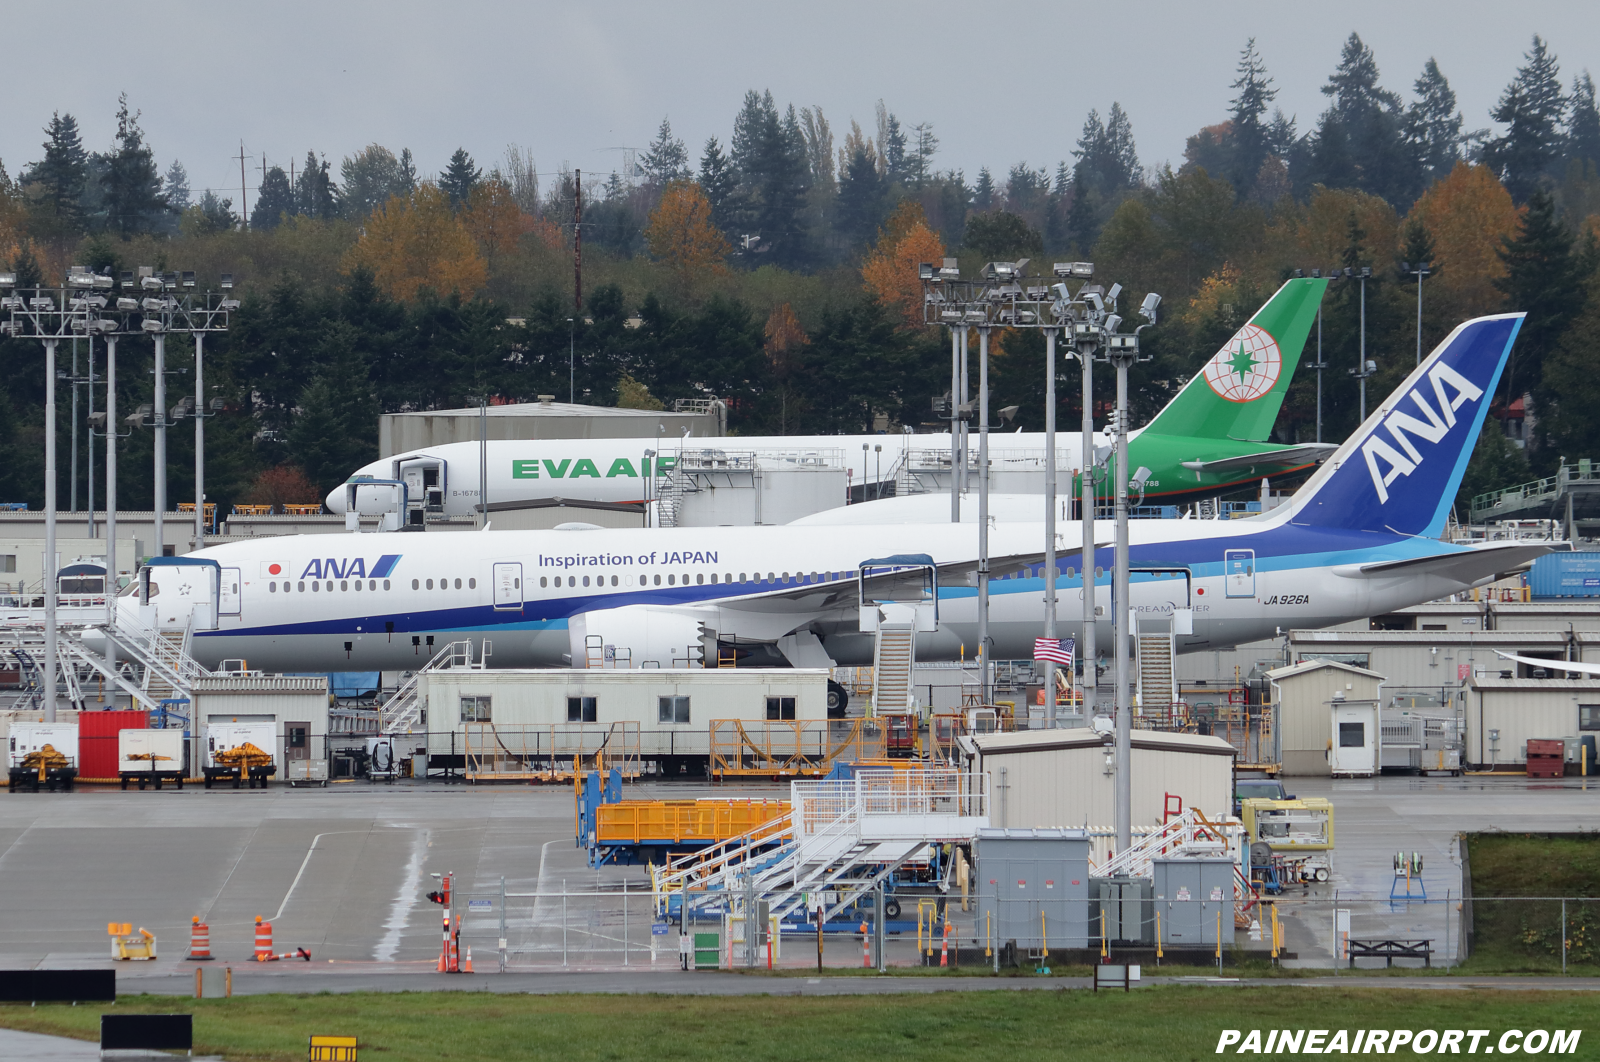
x=1121, y=909
x=1033, y=888
x=1194, y=897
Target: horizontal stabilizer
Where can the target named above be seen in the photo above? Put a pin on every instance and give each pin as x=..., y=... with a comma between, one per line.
x=1571, y=667
x=1468, y=566
x=1284, y=457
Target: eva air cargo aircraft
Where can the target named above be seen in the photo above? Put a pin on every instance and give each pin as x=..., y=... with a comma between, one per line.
x=1210, y=437
x=1362, y=537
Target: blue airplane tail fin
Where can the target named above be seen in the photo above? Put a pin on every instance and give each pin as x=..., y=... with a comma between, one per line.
x=1401, y=469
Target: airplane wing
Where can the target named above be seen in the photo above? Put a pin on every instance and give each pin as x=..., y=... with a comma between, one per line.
x=842, y=593
x=1469, y=566
x=1570, y=666
x=1287, y=457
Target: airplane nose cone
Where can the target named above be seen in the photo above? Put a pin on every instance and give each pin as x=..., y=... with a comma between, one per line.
x=335, y=501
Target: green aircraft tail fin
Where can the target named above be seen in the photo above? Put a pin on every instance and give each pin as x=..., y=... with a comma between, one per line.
x=1238, y=393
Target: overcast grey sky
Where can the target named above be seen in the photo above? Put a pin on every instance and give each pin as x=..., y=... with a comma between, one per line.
x=574, y=82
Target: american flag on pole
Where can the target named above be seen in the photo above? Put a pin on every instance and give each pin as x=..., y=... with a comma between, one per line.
x=1056, y=649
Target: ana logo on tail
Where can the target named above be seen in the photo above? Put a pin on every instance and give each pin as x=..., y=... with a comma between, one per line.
x=1402, y=427
x=1247, y=365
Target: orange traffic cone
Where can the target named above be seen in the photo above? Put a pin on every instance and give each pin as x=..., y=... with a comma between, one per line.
x=866, y=948
x=944, y=949
x=466, y=967
x=263, y=940
x=199, y=941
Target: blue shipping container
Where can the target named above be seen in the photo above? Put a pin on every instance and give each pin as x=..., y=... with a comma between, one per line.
x=1556, y=575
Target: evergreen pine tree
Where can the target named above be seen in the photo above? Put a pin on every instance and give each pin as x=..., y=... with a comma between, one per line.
x=861, y=199
x=983, y=191
x=1531, y=109
x=1543, y=280
x=1435, y=124
x=175, y=187
x=1583, y=122
x=1366, y=146
x=274, y=199
x=131, y=183
x=62, y=172
x=717, y=181
x=460, y=177
x=1249, y=132
x=406, y=180
x=919, y=163
x=666, y=159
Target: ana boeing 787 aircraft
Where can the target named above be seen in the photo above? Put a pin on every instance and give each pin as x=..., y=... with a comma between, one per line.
x=1211, y=436
x=1360, y=538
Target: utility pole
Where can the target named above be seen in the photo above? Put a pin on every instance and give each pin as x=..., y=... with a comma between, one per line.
x=199, y=442
x=89, y=443
x=112, y=588
x=1091, y=678
x=244, y=206
x=577, y=241
x=955, y=415
x=160, y=413
x=73, y=495
x=1123, y=812
x=47, y=667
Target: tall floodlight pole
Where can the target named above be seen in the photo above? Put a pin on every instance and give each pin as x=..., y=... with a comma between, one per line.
x=1119, y=615
x=160, y=414
x=72, y=497
x=1421, y=270
x=955, y=412
x=1091, y=678
x=47, y=677
x=199, y=442
x=965, y=462
x=89, y=442
x=983, y=511
x=112, y=589
x=1050, y=575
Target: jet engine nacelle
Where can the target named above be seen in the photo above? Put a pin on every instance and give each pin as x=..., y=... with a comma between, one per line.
x=643, y=636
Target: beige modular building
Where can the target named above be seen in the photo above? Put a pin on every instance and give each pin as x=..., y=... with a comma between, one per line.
x=1426, y=659
x=296, y=706
x=1307, y=695
x=1503, y=715
x=1051, y=779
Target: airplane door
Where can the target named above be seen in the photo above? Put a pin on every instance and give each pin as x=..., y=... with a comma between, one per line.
x=508, y=586
x=228, y=597
x=1240, y=567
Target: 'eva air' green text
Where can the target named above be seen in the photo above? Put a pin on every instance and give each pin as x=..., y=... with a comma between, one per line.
x=583, y=466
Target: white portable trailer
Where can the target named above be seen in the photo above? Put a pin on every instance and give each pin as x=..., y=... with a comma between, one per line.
x=24, y=739
x=150, y=756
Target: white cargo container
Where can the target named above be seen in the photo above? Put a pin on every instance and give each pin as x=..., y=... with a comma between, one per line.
x=26, y=738
x=150, y=756
x=223, y=737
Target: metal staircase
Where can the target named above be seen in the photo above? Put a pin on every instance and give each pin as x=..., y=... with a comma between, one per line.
x=1156, y=692
x=403, y=712
x=845, y=836
x=893, y=654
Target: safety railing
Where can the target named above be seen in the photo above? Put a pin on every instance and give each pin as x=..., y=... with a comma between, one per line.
x=777, y=748
x=552, y=753
x=403, y=712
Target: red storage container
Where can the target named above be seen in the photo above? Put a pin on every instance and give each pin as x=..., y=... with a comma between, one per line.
x=1546, y=758
x=97, y=740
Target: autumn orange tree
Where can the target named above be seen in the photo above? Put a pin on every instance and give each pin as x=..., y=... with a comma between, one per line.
x=890, y=272
x=784, y=339
x=494, y=218
x=682, y=235
x=1467, y=214
x=417, y=242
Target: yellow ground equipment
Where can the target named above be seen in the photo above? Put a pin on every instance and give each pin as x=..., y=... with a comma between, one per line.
x=126, y=944
x=651, y=831
x=1297, y=835
x=245, y=761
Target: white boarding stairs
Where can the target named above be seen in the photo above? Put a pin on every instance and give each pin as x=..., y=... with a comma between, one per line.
x=402, y=713
x=846, y=837
x=1156, y=690
x=893, y=654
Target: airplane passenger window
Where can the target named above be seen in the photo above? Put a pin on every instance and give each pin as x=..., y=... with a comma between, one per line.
x=272, y=588
x=330, y=586
x=430, y=584
x=358, y=584
x=585, y=580
x=386, y=584
x=472, y=584
x=713, y=578
x=742, y=578
x=613, y=580
x=373, y=584
x=572, y=580
x=685, y=578
x=672, y=580
x=658, y=580
x=544, y=581
x=302, y=587
x=458, y=584
x=344, y=584
x=699, y=579
x=413, y=584
x=772, y=577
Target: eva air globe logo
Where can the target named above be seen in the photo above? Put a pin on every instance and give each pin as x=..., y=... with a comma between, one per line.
x=1246, y=367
